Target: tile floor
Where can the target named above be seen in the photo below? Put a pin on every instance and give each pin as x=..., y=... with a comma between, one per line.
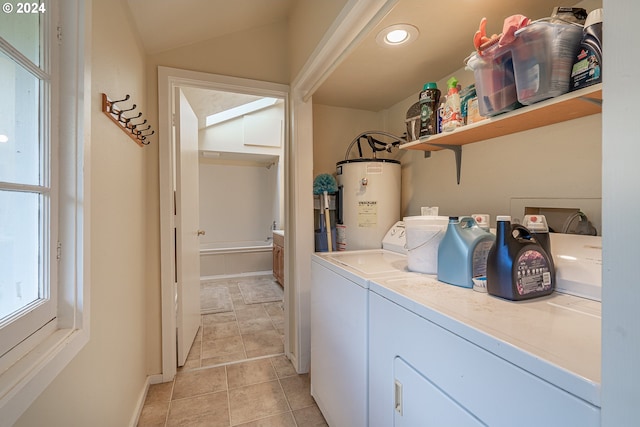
x=236, y=375
x=248, y=331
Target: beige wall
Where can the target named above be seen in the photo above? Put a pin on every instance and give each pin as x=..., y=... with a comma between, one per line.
x=559, y=161
x=273, y=53
x=102, y=385
x=308, y=23
x=334, y=128
x=259, y=53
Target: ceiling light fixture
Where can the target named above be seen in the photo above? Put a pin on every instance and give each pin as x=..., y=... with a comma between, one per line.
x=396, y=35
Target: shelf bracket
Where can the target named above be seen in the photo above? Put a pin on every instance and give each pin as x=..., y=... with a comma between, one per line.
x=595, y=101
x=457, y=150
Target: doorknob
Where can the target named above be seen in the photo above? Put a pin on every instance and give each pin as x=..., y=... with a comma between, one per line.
x=201, y=232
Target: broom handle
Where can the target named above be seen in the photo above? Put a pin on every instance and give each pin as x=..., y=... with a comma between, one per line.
x=328, y=222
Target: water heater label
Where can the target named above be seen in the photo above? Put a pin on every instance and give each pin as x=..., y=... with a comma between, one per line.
x=374, y=168
x=368, y=214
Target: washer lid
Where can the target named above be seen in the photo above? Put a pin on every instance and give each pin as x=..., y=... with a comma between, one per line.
x=370, y=263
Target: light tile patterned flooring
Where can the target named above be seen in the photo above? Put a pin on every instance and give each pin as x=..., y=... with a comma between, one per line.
x=236, y=375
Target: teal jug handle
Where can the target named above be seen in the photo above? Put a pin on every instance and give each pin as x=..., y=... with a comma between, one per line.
x=467, y=222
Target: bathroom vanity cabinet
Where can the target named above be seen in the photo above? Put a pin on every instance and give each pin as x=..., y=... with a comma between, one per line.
x=278, y=256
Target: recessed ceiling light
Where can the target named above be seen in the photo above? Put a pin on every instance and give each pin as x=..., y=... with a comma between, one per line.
x=396, y=35
x=4, y=138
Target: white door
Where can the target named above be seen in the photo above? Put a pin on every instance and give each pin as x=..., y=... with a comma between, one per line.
x=187, y=223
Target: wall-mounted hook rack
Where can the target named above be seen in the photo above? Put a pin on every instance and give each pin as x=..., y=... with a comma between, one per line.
x=133, y=130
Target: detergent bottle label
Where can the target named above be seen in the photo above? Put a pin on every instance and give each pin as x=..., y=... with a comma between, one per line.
x=479, y=258
x=533, y=272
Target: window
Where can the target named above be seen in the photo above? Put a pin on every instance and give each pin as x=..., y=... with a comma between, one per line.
x=43, y=316
x=27, y=178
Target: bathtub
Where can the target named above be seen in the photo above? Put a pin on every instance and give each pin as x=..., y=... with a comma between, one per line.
x=228, y=259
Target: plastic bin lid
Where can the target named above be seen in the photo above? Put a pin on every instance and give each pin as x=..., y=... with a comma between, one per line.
x=594, y=17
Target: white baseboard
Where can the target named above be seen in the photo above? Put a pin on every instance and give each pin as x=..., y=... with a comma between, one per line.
x=152, y=379
x=294, y=361
x=231, y=276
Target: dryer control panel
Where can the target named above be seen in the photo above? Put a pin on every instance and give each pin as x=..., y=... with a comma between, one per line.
x=396, y=239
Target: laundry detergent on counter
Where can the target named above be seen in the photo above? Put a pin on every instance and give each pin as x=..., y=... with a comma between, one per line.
x=463, y=252
x=518, y=267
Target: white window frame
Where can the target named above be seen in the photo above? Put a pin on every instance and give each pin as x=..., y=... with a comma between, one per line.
x=33, y=316
x=29, y=368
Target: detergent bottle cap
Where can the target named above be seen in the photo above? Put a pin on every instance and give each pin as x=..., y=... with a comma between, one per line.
x=430, y=85
x=452, y=83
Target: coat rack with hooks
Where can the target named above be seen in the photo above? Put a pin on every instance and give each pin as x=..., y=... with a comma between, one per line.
x=131, y=125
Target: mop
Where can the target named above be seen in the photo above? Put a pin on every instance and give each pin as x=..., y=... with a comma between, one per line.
x=325, y=184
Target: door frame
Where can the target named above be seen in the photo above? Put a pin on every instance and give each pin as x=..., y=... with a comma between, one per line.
x=168, y=80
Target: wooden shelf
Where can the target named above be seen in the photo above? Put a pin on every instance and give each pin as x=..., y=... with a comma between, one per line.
x=573, y=105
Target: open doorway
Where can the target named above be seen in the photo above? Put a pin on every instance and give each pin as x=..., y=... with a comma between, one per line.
x=241, y=204
x=242, y=159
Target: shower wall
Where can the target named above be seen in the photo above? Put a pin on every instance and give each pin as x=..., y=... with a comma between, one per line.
x=238, y=201
x=242, y=180
x=241, y=191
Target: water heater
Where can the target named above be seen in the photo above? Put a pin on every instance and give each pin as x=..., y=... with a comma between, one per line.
x=368, y=202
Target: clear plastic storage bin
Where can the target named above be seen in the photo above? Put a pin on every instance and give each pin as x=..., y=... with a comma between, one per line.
x=495, y=80
x=542, y=59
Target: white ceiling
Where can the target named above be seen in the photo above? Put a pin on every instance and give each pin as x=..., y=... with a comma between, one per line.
x=372, y=77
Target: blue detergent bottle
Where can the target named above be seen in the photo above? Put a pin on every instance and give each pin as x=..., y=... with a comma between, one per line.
x=518, y=268
x=463, y=252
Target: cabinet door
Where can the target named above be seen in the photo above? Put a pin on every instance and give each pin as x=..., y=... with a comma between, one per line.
x=278, y=264
x=281, y=265
x=496, y=392
x=275, y=261
x=418, y=402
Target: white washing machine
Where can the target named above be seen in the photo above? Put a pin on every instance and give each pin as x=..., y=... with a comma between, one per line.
x=339, y=329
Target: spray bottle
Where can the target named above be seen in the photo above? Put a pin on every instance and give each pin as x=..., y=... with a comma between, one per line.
x=452, y=115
